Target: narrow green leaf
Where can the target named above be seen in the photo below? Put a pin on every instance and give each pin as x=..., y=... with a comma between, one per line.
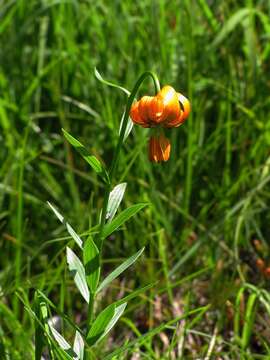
x=265, y=299
x=108, y=83
x=128, y=128
x=99, y=325
x=81, y=106
x=230, y=24
x=193, y=250
x=117, y=314
x=113, y=275
x=121, y=219
x=104, y=323
x=53, y=346
x=78, y=345
x=237, y=315
x=70, y=230
x=58, y=311
x=91, y=264
x=39, y=337
x=249, y=320
x=206, y=10
x=42, y=329
x=63, y=344
x=77, y=270
x=100, y=78
x=115, y=198
x=90, y=159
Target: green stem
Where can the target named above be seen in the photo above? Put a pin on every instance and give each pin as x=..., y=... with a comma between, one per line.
x=90, y=318
x=90, y=310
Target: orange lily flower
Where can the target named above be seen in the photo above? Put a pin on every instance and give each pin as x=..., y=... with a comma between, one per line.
x=166, y=110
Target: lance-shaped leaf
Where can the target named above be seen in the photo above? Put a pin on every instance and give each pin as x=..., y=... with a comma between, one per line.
x=77, y=270
x=104, y=323
x=109, y=83
x=250, y=316
x=64, y=344
x=78, y=345
x=129, y=127
x=121, y=219
x=91, y=264
x=126, y=264
x=90, y=159
x=70, y=230
x=115, y=198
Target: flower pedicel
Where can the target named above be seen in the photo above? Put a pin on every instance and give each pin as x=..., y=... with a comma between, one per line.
x=167, y=109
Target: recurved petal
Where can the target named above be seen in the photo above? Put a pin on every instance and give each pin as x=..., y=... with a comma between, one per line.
x=184, y=104
x=184, y=112
x=165, y=147
x=176, y=122
x=136, y=116
x=143, y=108
x=159, y=148
x=155, y=110
x=172, y=109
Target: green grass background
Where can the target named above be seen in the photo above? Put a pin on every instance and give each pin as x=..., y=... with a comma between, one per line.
x=208, y=203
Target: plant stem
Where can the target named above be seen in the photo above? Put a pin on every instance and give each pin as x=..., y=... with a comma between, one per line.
x=90, y=310
x=90, y=319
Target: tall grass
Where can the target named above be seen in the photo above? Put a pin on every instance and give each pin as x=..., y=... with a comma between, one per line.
x=208, y=203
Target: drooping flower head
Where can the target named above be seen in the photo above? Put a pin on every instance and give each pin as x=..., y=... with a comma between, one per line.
x=167, y=109
x=159, y=148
